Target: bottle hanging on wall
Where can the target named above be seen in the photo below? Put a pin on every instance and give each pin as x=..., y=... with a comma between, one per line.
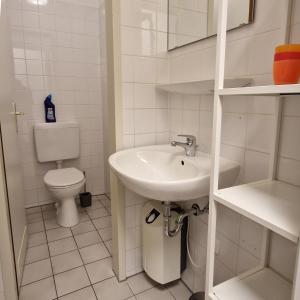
x=49, y=110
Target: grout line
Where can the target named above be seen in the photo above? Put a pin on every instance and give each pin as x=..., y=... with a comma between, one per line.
x=36, y=281
x=92, y=284
x=84, y=265
x=89, y=219
x=50, y=259
x=77, y=291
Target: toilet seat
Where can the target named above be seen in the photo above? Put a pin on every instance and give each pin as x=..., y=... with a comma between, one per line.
x=63, y=178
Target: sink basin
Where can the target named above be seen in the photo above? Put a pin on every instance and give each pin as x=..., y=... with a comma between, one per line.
x=165, y=173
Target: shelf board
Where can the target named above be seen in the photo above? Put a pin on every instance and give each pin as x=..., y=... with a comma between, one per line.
x=203, y=87
x=268, y=90
x=262, y=285
x=271, y=203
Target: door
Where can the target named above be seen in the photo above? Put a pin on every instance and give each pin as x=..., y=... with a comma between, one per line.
x=9, y=160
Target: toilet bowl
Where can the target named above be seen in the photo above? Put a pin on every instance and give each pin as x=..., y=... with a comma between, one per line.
x=58, y=142
x=65, y=184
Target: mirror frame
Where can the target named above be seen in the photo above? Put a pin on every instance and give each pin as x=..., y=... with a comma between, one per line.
x=252, y=7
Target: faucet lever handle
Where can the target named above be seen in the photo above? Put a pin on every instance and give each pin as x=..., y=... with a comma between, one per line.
x=189, y=137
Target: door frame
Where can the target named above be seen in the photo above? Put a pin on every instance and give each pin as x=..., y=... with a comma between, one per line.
x=7, y=260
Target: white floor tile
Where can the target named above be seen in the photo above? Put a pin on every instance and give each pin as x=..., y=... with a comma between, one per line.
x=35, y=227
x=36, y=271
x=36, y=253
x=155, y=293
x=51, y=224
x=40, y=290
x=83, y=217
x=58, y=234
x=97, y=213
x=87, y=239
x=95, y=205
x=140, y=283
x=83, y=228
x=100, y=270
x=180, y=291
x=33, y=210
x=62, y=246
x=103, y=222
x=48, y=207
x=111, y=289
x=49, y=214
x=105, y=233
x=66, y=261
x=37, y=239
x=93, y=253
x=36, y=217
x=84, y=294
x=71, y=281
x=108, y=245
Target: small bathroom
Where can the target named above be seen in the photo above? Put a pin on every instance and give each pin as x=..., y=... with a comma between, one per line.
x=149, y=150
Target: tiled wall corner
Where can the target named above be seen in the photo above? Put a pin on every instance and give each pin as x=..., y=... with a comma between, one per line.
x=144, y=65
x=133, y=224
x=56, y=49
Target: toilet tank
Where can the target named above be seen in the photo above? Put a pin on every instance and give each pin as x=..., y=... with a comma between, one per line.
x=56, y=141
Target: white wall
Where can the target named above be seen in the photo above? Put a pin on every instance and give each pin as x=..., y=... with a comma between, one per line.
x=247, y=126
x=56, y=50
x=2, y=297
x=104, y=82
x=246, y=137
x=238, y=14
x=144, y=64
x=145, y=110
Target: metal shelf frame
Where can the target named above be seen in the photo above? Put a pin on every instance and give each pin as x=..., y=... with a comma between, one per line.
x=278, y=92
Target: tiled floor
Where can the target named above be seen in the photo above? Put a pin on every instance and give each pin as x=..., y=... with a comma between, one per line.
x=76, y=263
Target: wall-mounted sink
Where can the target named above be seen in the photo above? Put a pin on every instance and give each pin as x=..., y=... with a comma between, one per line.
x=165, y=173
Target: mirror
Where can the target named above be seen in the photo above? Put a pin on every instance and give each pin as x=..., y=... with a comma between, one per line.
x=193, y=20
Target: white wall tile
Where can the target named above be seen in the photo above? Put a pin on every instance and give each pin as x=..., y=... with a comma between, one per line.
x=234, y=129
x=256, y=166
x=290, y=141
x=283, y=256
x=144, y=95
x=251, y=236
x=260, y=130
x=289, y=171
x=144, y=120
x=57, y=52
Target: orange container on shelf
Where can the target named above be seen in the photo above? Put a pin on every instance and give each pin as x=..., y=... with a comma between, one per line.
x=287, y=48
x=286, y=67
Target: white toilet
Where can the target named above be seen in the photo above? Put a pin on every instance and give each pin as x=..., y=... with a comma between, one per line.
x=58, y=142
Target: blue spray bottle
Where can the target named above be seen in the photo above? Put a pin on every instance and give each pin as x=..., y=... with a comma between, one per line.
x=49, y=110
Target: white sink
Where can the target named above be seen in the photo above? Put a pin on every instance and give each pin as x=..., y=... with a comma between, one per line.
x=165, y=173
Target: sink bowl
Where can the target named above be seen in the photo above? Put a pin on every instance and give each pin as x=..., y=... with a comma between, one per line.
x=165, y=173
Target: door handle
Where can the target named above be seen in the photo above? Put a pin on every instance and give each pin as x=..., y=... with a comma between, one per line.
x=16, y=114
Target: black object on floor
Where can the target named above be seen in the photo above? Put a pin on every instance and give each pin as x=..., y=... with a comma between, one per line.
x=85, y=199
x=198, y=296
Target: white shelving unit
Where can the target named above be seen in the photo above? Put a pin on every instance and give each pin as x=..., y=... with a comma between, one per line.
x=268, y=90
x=202, y=87
x=271, y=203
x=264, y=284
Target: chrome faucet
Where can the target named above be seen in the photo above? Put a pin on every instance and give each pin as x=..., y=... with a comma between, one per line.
x=189, y=146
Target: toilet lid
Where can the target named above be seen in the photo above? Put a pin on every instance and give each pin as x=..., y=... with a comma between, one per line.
x=63, y=177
